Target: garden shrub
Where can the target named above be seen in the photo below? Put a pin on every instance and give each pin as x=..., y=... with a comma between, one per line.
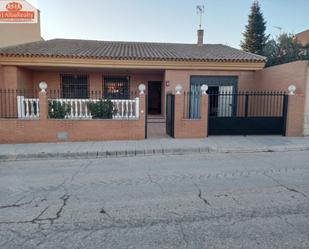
x=103, y=109
x=58, y=110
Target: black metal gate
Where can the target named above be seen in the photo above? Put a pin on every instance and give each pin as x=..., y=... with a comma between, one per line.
x=170, y=114
x=243, y=113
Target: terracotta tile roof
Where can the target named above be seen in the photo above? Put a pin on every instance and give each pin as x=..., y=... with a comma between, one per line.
x=130, y=50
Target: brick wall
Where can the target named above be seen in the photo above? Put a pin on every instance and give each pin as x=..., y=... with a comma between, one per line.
x=190, y=128
x=48, y=130
x=279, y=78
x=295, y=116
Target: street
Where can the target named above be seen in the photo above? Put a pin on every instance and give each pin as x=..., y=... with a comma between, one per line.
x=244, y=200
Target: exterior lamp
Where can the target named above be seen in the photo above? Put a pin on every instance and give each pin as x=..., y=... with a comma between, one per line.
x=178, y=89
x=292, y=89
x=204, y=89
x=141, y=88
x=43, y=86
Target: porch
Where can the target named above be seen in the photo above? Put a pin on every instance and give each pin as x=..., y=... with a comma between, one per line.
x=87, y=83
x=76, y=88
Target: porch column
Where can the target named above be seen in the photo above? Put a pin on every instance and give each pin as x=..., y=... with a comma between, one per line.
x=295, y=115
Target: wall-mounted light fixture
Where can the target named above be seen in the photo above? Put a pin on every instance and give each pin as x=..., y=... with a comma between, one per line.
x=178, y=88
x=43, y=86
x=292, y=89
x=141, y=88
x=204, y=89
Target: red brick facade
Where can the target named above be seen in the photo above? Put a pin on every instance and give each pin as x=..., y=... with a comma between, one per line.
x=47, y=130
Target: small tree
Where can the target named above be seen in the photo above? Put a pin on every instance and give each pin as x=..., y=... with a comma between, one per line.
x=254, y=36
x=284, y=49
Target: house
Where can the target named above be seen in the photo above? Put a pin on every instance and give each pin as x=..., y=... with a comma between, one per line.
x=115, y=69
x=156, y=90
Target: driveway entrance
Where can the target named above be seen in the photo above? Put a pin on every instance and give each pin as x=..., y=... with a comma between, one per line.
x=247, y=113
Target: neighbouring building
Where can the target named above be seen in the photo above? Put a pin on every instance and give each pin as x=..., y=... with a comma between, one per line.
x=303, y=38
x=19, y=33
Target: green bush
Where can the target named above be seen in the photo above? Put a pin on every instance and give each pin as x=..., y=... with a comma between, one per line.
x=103, y=109
x=58, y=110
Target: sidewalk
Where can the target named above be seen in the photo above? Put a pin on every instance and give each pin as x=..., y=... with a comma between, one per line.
x=168, y=146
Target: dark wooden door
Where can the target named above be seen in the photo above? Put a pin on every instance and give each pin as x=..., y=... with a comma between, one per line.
x=154, y=97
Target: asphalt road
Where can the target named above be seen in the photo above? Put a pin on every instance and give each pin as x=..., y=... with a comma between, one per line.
x=193, y=201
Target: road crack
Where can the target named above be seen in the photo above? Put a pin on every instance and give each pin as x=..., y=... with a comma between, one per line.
x=83, y=167
x=201, y=196
x=103, y=211
x=17, y=203
x=38, y=219
x=286, y=187
x=154, y=182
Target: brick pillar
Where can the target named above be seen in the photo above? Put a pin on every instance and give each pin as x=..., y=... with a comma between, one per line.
x=142, y=104
x=190, y=128
x=204, y=112
x=295, y=116
x=142, y=114
x=43, y=103
x=178, y=114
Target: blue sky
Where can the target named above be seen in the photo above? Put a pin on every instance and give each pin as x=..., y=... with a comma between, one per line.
x=164, y=20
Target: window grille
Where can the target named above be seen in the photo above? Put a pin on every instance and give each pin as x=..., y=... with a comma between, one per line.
x=116, y=87
x=74, y=86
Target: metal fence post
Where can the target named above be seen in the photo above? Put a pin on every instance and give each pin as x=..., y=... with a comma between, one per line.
x=246, y=105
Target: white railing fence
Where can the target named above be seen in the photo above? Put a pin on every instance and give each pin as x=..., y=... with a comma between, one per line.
x=28, y=107
x=125, y=108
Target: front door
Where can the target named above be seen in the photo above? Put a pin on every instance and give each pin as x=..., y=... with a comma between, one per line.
x=154, y=97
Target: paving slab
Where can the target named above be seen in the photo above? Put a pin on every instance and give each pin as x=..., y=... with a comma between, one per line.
x=158, y=146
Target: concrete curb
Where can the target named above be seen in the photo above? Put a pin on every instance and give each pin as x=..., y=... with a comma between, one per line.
x=150, y=152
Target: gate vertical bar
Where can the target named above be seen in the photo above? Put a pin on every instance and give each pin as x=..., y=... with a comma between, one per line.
x=170, y=114
x=246, y=104
x=146, y=115
x=173, y=115
x=285, y=113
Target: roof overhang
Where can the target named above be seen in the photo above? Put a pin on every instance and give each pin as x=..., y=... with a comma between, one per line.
x=134, y=64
